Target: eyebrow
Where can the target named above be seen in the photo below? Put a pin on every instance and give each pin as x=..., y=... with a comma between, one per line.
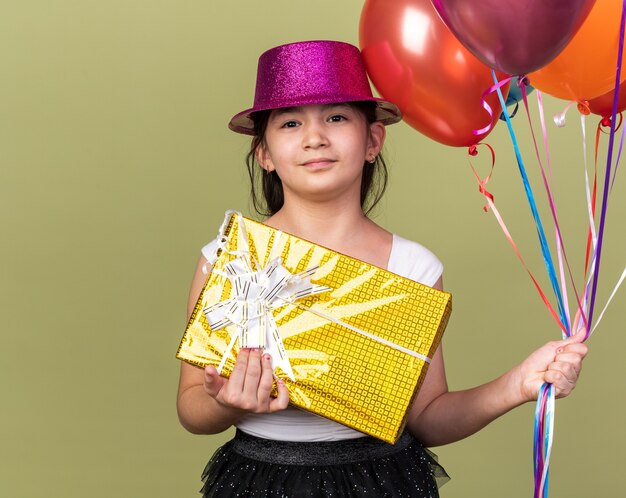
x=295, y=109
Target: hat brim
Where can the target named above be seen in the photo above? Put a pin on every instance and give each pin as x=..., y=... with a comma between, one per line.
x=386, y=112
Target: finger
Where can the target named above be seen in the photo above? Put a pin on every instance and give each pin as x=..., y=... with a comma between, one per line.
x=282, y=400
x=578, y=337
x=561, y=384
x=253, y=375
x=575, y=348
x=574, y=359
x=213, y=382
x=267, y=379
x=238, y=374
x=567, y=369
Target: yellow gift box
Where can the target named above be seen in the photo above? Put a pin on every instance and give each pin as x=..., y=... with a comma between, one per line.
x=351, y=341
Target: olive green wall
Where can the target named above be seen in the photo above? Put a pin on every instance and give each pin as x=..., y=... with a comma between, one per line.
x=117, y=166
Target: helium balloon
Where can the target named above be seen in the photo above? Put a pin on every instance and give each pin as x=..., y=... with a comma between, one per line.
x=515, y=92
x=515, y=97
x=513, y=36
x=415, y=62
x=603, y=105
x=585, y=69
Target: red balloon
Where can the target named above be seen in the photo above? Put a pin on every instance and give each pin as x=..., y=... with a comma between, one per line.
x=418, y=64
x=514, y=36
x=603, y=105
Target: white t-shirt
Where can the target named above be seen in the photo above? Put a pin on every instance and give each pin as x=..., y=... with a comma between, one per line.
x=407, y=259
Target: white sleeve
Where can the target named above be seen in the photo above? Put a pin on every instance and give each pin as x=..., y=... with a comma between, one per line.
x=412, y=260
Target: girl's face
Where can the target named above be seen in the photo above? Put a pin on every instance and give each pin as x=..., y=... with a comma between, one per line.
x=318, y=151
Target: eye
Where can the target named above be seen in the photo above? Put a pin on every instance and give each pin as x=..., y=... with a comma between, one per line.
x=289, y=124
x=336, y=118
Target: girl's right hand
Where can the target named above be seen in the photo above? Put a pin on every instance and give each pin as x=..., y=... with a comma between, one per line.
x=250, y=384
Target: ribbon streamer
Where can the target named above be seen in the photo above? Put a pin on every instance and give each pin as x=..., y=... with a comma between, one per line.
x=482, y=187
x=483, y=100
x=543, y=434
x=561, y=253
x=619, y=152
x=609, y=160
x=547, y=258
x=544, y=414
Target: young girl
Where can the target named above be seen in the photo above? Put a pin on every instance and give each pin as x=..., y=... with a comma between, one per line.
x=318, y=134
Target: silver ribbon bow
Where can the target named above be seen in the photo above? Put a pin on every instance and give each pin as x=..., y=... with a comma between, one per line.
x=254, y=296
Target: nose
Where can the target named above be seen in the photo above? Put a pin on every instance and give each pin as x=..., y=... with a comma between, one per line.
x=314, y=136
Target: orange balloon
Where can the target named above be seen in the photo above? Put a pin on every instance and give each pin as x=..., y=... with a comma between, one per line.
x=603, y=105
x=416, y=62
x=586, y=67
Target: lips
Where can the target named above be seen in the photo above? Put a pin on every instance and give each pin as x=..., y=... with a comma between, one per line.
x=318, y=162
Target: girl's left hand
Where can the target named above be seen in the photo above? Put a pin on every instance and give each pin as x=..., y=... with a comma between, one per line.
x=557, y=362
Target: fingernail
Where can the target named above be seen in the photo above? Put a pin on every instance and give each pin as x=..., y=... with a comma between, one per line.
x=267, y=357
x=281, y=382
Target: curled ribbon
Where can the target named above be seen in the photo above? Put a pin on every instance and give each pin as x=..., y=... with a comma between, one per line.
x=483, y=100
x=482, y=184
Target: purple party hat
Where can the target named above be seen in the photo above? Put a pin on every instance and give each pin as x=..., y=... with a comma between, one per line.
x=308, y=73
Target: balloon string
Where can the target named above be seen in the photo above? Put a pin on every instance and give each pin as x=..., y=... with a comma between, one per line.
x=559, y=119
x=562, y=255
x=548, y=437
x=591, y=203
x=487, y=107
x=542, y=439
x=513, y=112
x=482, y=187
x=615, y=289
x=580, y=300
x=482, y=184
x=548, y=186
x=559, y=242
x=619, y=152
x=591, y=200
x=607, y=179
x=591, y=197
x=605, y=122
x=537, y=428
x=547, y=258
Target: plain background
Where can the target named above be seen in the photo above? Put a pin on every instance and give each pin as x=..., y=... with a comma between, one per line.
x=117, y=166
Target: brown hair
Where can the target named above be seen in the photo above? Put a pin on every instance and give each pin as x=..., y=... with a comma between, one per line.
x=266, y=191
